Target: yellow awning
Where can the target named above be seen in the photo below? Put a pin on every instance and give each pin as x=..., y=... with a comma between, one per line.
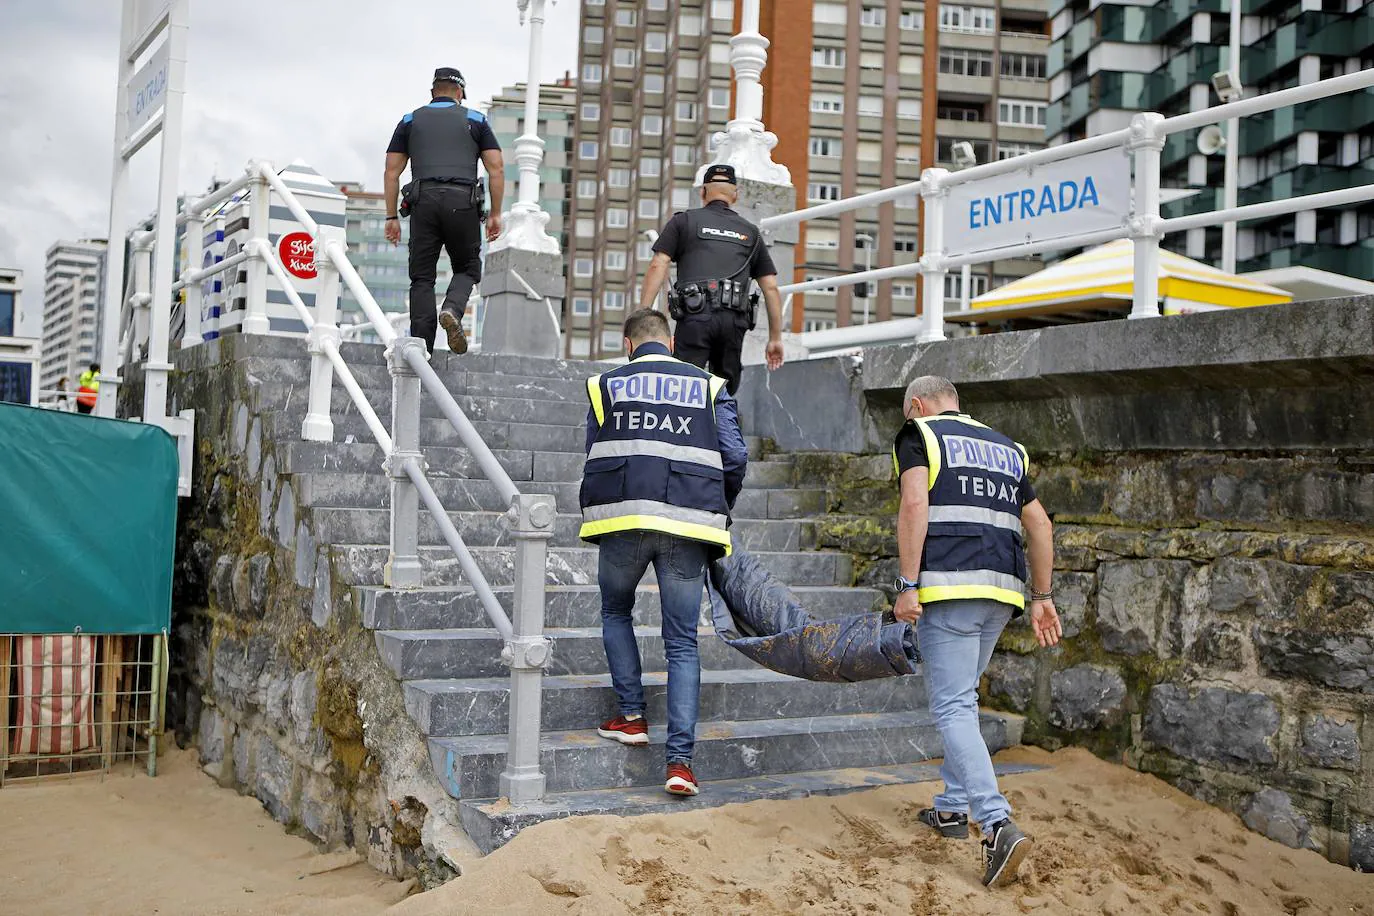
x=1103, y=278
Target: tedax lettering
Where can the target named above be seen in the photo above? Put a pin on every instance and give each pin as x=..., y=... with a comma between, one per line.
x=643, y=420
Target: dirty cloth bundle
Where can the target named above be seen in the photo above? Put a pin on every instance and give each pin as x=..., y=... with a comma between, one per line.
x=760, y=617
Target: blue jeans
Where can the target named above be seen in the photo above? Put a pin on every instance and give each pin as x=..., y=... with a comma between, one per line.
x=680, y=567
x=957, y=639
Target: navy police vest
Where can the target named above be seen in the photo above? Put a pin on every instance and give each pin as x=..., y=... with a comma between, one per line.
x=655, y=464
x=441, y=144
x=973, y=546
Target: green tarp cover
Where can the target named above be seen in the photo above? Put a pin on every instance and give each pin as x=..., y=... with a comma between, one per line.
x=88, y=511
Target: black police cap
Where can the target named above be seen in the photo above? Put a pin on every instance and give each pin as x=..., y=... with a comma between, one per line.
x=450, y=75
x=719, y=172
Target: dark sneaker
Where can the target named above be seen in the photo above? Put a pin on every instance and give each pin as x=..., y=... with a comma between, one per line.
x=680, y=780
x=1004, y=853
x=951, y=825
x=453, y=327
x=627, y=731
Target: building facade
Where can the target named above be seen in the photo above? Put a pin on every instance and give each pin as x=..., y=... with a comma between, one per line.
x=19, y=342
x=73, y=302
x=1109, y=60
x=557, y=105
x=842, y=91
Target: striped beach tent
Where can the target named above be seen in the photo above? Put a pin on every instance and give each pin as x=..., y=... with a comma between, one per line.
x=1100, y=282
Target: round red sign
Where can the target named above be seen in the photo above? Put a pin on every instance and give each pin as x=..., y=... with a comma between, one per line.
x=297, y=252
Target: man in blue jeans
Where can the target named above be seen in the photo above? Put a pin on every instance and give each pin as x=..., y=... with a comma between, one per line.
x=965, y=498
x=665, y=462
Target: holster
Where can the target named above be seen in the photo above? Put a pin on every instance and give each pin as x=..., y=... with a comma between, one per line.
x=409, y=192
x=479, y=198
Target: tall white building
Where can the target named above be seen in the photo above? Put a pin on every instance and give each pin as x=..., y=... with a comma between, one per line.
x=18, y=342
x=73, y=298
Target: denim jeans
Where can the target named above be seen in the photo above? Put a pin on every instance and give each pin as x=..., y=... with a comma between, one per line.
x=957, y=639
x=680, y=567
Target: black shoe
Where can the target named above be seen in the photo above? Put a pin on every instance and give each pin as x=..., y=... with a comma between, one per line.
x=453, y=327
x=951, y=825
x=1004, y=853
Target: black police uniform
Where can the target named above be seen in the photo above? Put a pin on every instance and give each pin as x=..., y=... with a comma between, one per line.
x=710, y=245
x=443, y=140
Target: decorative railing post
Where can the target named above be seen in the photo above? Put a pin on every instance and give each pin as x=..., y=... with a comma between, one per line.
x=318, y=425
x=532, y=518
x=1146, y=146
x=933, y=258
x=403, y=564
x=259, y=216
x=191, y=294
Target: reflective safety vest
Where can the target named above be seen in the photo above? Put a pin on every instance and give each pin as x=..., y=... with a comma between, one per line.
x=655, y=464
x=90, y=387
x=973, y=546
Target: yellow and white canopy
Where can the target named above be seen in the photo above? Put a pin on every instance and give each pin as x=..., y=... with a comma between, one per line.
x=1103, y=280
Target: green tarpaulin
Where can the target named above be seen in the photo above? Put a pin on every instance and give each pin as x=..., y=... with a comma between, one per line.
x=88, y=511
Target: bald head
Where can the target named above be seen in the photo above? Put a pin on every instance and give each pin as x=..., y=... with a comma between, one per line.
x=929, y=395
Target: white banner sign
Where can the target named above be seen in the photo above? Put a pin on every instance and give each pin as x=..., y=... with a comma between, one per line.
x=147, y=91
x=1086, y=193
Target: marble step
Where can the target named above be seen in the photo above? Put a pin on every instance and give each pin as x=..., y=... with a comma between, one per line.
x=454, y=366
x=373, y=491
x=492, y=822
x=448, y=708
x=362, y=564
x=476, y=407
x=470, y=766
x=438, y=608
x=490, y=529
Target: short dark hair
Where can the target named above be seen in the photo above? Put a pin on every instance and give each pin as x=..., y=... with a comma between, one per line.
x=95, y=367
x=646, y=324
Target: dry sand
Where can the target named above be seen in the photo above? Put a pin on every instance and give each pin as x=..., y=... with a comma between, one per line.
x=1109, y=841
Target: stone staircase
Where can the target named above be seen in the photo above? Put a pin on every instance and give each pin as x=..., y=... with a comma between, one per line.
x=760, y=734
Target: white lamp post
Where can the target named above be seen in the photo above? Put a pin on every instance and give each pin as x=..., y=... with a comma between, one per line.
x=744, y=143
x=525, y=221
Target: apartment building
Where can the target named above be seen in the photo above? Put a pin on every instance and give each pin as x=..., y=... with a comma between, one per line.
x=557, y=104
x=1110, y=59
x=73, y=302
x=19, y=355
x=842, y=91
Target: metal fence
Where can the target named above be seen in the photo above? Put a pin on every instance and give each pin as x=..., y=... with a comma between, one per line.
x=1143, y=142
x=530, y=516
x=74, y=705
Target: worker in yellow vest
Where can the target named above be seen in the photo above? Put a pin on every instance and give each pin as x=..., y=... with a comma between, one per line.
x=88, y=389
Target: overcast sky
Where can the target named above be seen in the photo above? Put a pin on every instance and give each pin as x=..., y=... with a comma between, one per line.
x=275, y=79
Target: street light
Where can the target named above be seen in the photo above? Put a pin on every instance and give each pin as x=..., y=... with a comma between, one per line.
x=964, y=158
x=869, y=242
x=1228, y=88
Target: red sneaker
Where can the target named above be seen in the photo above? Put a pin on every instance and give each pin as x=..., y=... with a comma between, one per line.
x=680, y=780
x=634, y=732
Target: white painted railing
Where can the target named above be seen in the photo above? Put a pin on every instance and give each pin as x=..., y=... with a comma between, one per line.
x=1143, y=141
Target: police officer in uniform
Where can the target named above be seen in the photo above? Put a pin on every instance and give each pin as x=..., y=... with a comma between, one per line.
x=665, y=462
x=442, y=142
x=717, y=253
x=965, y=496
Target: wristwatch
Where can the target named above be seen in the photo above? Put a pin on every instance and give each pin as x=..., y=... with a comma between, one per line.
x=901, y=584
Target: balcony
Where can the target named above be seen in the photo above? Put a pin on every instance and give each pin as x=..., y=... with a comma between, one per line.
x=1178, y=147
x=1069, y=110
x=1131, y=24
x=1312, y=32
x=1351, y=260
x=1303, y=180
x=1073, y=45
x=1204, y=201
x=1170, y=14
x=1196, y=65
x=1338, y=114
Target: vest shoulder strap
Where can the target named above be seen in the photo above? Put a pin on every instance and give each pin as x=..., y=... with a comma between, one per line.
x=932, y=449
x=594, y=395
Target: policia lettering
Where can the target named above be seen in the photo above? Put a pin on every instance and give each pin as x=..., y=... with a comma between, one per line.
x=655, y=464
x=977, y=484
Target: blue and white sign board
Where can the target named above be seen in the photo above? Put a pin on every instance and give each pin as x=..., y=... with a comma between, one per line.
x=1087, y=193
x=146, y=93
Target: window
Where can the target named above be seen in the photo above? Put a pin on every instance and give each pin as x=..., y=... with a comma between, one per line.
x=683, y=154
x=615, y=260
x=682, y=198
x=822, y=191
x=976, y=20
x=655, y=42
x=582, y=267
x=962, y=62
x=586, y=188
x=586, y=149
x=611, y=341
x=827, y=57
x=1029, y=114
x=582, y=306
x=7, y=317
x=621, y=136
x=652, y=125
x=822, y=238
x=644, y=251
x=16, y=382
x=689, y=23
x=591, y=73
x=954, y=285
x=956, y=112
x=904, y=291
x=591, y=111
x=828, y=147
x=688, y=68
x=593, y=34
x=944, y=148
x=822, y=291
x=586, y=227
x=874, y=16
x=829, y=13
x=819, y=324
x=596, y=2
x=625, y=18
x=720, y=52
x=686, y=111
x=909, y=64
x=618, y=178
x=580, y=347
x=648, y=208
x=910, y=21
x=871, y=105
x=904, y=243
x=909, y=109
x=617, y=218
x=649, y=167
x=828, y=102
x=1023, y=66
x=720, y=98
x=653, y=82
x=624, y=57
x=613, y=301
x=870, y=151
x=1008, y=150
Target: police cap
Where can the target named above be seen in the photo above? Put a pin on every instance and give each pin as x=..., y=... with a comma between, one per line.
x=719, y=172
x=450, y=75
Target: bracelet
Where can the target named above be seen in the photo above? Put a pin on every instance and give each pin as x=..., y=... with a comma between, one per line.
x=1042, y=596
x=393, y=217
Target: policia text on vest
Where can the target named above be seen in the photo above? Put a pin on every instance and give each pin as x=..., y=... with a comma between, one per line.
x=442, y=142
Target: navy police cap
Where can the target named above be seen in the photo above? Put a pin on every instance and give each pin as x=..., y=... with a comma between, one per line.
x=719, y=172
x=450, y=75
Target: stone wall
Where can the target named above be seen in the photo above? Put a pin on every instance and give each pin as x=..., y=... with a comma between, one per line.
x=273, y=677
x=1212, y=484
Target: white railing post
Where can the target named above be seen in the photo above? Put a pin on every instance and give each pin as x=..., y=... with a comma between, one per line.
x=1146, y=144
x=318, y=425
x=933, y=256
x=142, y=294
x=259, y=216
x=531, y=518
x=192, y=293
x=403, y=564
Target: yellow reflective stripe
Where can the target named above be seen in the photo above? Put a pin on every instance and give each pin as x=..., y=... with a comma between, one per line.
x=896, y=466
x=954, y=592
x=653, y=523
x=932, y=449
x=594, y=395
x=716, y=384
